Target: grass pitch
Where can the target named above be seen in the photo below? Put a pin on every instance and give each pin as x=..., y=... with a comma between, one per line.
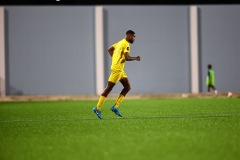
x=151, y=129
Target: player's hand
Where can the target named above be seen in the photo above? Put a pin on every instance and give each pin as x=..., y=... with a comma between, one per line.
x=138, y=58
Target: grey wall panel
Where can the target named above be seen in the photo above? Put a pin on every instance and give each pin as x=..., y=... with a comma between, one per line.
x=220, y=45
x=50, y=50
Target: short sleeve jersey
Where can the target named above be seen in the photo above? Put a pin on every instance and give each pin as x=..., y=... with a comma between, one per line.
x=210, y=79
x=118, y=58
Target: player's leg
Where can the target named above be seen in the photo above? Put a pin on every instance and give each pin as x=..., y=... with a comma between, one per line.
x=214, y=88
x=208, y=88
x=211, y=87
x=104, y=95
x=102, y=98
x=125, y=90
x=108, y=89
x=121, y=96
x=126, y=86
x=112, y=80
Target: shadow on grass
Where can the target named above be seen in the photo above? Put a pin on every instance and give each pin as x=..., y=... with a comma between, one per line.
x=123, y=118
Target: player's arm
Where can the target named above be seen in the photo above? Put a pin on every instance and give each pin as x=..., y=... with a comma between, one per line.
x=110, y=50
x=207, y=78
x=208, y=75
x=129, y=58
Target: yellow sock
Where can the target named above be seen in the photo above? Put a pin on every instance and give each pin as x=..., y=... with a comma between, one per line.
x=119, y=100
x=100, y=102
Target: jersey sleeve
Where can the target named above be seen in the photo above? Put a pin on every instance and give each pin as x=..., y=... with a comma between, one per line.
x=207, y=78
x=114, y=45
x=126, y=48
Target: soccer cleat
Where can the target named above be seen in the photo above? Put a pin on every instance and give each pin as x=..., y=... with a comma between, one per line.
x=116, y=111
x=97, y=112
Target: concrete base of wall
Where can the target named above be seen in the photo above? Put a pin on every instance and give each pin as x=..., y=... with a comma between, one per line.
x=113, y=97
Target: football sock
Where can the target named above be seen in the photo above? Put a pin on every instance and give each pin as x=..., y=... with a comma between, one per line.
x=101, y=100
x=119, y=100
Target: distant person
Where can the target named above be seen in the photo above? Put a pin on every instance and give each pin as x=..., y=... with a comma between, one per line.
x=119, y=52
x=210, y=80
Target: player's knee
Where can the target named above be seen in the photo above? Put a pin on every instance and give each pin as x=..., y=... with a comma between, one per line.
x=108, y=90
x=128, y=88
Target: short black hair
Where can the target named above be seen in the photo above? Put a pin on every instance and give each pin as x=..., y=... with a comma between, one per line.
x=210, y=66
x=130, y=32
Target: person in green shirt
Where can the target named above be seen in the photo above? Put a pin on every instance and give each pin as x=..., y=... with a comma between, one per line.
x=210, y=80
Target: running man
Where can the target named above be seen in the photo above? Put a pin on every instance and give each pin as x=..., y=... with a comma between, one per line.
x=120, y=54
x=210, y=80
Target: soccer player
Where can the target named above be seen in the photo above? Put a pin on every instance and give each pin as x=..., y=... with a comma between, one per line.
x=210, y=80
x=119, y=52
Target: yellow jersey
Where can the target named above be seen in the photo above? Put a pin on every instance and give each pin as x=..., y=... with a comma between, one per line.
x=118, y=58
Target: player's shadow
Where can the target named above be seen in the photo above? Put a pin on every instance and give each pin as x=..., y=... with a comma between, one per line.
x=118, y=118
x=174, y=116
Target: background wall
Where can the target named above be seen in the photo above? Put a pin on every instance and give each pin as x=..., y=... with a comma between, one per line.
x=50, y=50
x=220, y=45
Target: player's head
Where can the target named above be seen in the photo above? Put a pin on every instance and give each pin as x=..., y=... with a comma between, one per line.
x=209, y=66
x=130, y=36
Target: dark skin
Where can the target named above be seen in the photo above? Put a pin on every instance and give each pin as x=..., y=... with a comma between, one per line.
x=124, y=81
x=210, y=86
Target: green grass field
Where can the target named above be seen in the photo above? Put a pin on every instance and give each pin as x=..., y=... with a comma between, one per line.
x=151, y=129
